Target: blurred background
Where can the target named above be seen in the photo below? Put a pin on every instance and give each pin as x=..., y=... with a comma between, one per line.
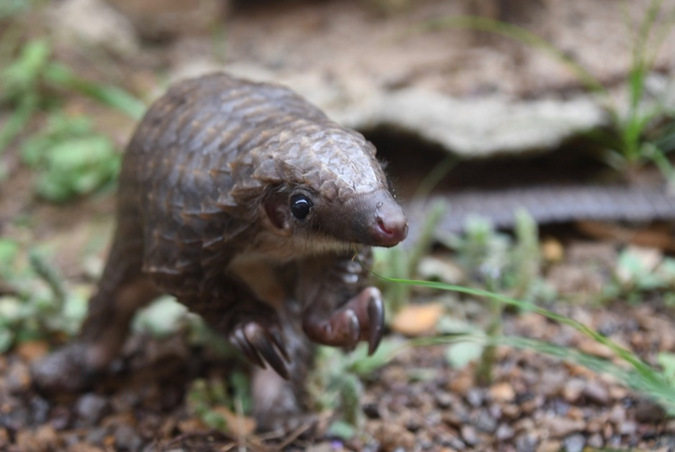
x=529, y=141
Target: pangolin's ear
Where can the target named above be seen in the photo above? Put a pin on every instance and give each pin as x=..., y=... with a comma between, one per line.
x=276, y=208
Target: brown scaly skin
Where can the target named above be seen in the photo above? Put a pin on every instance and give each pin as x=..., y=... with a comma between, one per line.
x=257, y=212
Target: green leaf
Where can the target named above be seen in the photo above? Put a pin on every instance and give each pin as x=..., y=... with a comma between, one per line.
x=8, y=251
x=77, y=166
x=214, y=420
x=10, y=310
x=667, y=361
x=461, y=354
x=364, y=365
x=342, y=430
x=6, y=339
x=241, y=387
x=22, y=75
x=161, y=318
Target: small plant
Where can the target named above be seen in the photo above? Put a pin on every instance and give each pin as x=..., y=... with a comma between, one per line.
x=496, y=261
x=336, y=385
x=629, y=141
x=70, y=158
x=215, y=400
x=38, y=303
x=639, y=271
x=32, y=83
x=654, y=383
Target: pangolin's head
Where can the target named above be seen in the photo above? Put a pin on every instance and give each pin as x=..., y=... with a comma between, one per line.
x=325, y=189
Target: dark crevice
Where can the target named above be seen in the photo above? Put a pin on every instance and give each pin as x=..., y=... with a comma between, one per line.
x=564, y=185
x=409, y=159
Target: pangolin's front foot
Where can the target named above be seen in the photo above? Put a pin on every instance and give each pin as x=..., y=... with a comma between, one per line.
x=261, y=340
x=65, y=370
x=360, y=319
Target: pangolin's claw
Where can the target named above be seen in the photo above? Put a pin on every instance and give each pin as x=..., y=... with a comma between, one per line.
x=340, y=329
x=263, y=341
x=239, y=340
x=376, y=323
x=278, y=341
x=262, y=344
x=360, y=319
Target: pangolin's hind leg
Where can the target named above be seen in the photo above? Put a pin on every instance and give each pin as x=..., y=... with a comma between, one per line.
x=122, y=290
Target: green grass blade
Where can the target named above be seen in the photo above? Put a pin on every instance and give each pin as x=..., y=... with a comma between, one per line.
x=655, y=387
x=642, y=368
x=17, y=121
x=107, y=94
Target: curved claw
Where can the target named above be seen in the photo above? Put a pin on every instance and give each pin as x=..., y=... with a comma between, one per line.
x=263, y=341
x=260, y=345
x=278, y=341
x=238, y=339
x=375, y=323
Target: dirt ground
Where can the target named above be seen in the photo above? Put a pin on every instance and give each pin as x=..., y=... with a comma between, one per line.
x=418, y=400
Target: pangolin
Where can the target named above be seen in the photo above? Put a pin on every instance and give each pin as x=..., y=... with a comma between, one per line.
x=257, y=212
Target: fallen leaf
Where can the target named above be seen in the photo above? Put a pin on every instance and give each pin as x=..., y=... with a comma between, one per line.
x=417, y=320
x=32, y=350
x=237, y=424
x=552, y=250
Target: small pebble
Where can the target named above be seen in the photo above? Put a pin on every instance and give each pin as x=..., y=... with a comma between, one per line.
x=573, y=389
x=39, y=409
x=469, y=435
x=561, y=426
x=462, y=384
x=504, y=432
x=549, y=445
x=46, y=436
x=453, y=443
x=90, y=408
x=97, y=435
x=126, y=438
x=124, y=401
x=596, y=393
x=595, y=348
x=595, y=441
x=627, y=428
x=617, y=415
x=526, y=443
x=18, y=378
x=371, y=410
x=649, y=412
x=502, y=392
x=17, y=419
x=485, y=422
x=574, y=443
x=61, y=417
x=475, y=397
x=444, y=399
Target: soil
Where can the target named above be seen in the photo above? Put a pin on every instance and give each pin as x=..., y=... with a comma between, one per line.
x=418, y=400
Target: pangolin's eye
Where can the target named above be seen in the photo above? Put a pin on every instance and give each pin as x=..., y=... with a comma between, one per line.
x=300, y=206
